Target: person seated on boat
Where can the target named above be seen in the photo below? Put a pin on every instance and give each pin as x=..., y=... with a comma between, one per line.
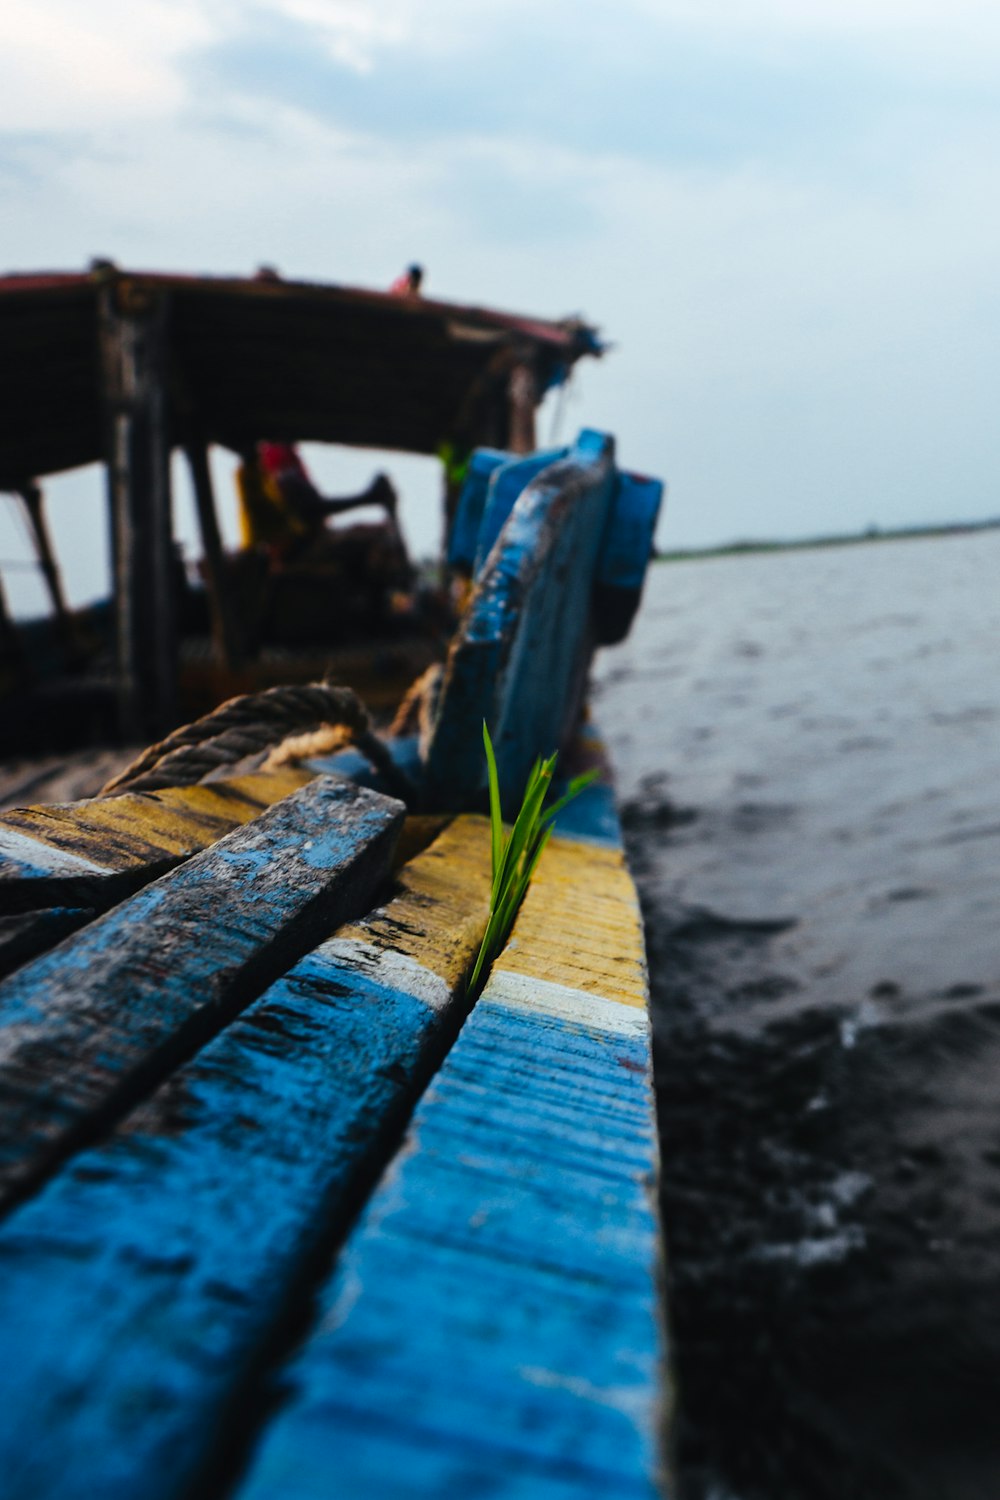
x=281, y=510
x=409, y=283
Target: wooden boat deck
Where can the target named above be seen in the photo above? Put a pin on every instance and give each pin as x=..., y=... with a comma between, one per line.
x=256, y=1139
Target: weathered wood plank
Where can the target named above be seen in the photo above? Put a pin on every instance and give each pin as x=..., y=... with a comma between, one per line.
x=580, y=925
x=87, y=1028
x=405, y=753
x=506, y=484
x=96, y=852
x=174, y=1249
x=520, y=658
x=492, y=1325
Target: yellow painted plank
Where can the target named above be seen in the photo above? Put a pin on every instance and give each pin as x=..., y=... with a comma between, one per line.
x=265, y=787
x=440, y=905
x=419, y=830
x=139, y=828
x=580, y=925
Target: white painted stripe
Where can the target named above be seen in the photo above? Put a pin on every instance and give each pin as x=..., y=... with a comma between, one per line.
x=397, y=971
x=527, y=993
x=32, y=858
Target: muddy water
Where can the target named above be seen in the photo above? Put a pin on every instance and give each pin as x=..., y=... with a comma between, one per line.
x=808, y=745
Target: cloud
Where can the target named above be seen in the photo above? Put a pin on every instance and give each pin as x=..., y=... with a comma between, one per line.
x=786, y=215
x=719, y=83
x=64, y=65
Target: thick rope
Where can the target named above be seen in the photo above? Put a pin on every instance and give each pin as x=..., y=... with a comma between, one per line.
x=249, y=724
x=415, y=713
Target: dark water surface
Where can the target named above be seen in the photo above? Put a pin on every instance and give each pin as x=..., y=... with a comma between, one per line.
x=808, y=747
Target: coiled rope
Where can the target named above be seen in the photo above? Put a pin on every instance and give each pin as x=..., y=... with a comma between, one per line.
x=249, y=724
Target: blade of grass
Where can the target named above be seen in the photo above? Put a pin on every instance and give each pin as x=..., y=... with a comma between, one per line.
x=574, y=788
x=496, y=818
x=524, y=822
x=515, y=856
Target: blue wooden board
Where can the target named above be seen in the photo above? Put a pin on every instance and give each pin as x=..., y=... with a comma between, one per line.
x=627, y=544
x=471, y=504
x=93, y=1024
x=139, y=1290
x=142, y=1288
x=492, y=1327
x=506, y=483
x=521, y=656
x=405, y=752
x=97, y=851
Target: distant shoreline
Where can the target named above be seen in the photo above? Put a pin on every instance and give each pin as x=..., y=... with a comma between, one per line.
x=847, y=539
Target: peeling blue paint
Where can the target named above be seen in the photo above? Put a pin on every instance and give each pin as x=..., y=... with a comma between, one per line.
x=121, y=1000
x=492, y=1326
x=507, y=482
x=139, y=1290
x=521, y=657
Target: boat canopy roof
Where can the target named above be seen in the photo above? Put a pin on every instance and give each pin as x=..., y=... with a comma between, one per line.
x=250, y=358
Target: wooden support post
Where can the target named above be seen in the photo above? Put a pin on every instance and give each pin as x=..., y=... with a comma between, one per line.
x=34, y=504
x=225, y=631
x=522, y=393
x=133, y=326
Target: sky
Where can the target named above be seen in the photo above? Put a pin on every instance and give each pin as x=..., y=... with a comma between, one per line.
x=783, y=214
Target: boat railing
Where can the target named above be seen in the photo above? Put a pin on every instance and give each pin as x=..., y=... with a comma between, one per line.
x=558, y=544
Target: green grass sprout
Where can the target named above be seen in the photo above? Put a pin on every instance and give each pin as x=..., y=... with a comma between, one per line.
x=516, y=854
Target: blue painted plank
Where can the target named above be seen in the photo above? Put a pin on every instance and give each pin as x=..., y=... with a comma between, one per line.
x=139, y=1290
x=507, y=482
x=626, y=547
x=351, y=764
x=171, y=1252
x=627, y=544
x=108, y=1012
x=492, y=1326
x=471, y=504
x=521, y=657
x=98, y=851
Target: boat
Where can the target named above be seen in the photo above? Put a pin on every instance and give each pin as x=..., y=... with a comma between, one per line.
x=285, y=1210
x=126, y=369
